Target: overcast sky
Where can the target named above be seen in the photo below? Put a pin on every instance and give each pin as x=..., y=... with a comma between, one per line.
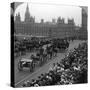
x=48, y=11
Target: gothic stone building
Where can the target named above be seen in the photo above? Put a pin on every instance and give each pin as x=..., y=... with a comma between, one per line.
x=51, y=29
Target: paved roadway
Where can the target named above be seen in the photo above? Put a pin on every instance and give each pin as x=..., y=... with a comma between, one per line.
x=20, y=77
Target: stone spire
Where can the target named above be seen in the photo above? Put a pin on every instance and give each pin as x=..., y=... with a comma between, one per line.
x=27, y=14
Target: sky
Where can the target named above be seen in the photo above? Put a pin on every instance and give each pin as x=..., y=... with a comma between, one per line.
x=49, y=11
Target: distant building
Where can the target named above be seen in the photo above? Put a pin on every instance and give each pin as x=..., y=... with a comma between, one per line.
x=28, y=18
x=56, y=28
x=42, y=20
x=84, y=17
x=60, y=20
x=83, y=33
x=18, y=18
x=71, y=21
x=53, y=21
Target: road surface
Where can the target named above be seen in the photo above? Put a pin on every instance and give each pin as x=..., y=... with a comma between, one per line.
x=20, y=77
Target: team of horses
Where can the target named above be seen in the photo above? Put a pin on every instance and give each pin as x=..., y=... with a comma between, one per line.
x=44, y=50
x=46, y=53
x=30, y=45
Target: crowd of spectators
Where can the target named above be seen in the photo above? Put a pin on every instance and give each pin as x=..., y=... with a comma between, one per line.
x=72, y=69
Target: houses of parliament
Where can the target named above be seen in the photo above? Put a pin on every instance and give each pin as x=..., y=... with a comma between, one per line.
x=56, y=28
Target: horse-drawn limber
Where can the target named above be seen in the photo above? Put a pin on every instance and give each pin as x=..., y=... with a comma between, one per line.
x=43, y=55
x=25, y=64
